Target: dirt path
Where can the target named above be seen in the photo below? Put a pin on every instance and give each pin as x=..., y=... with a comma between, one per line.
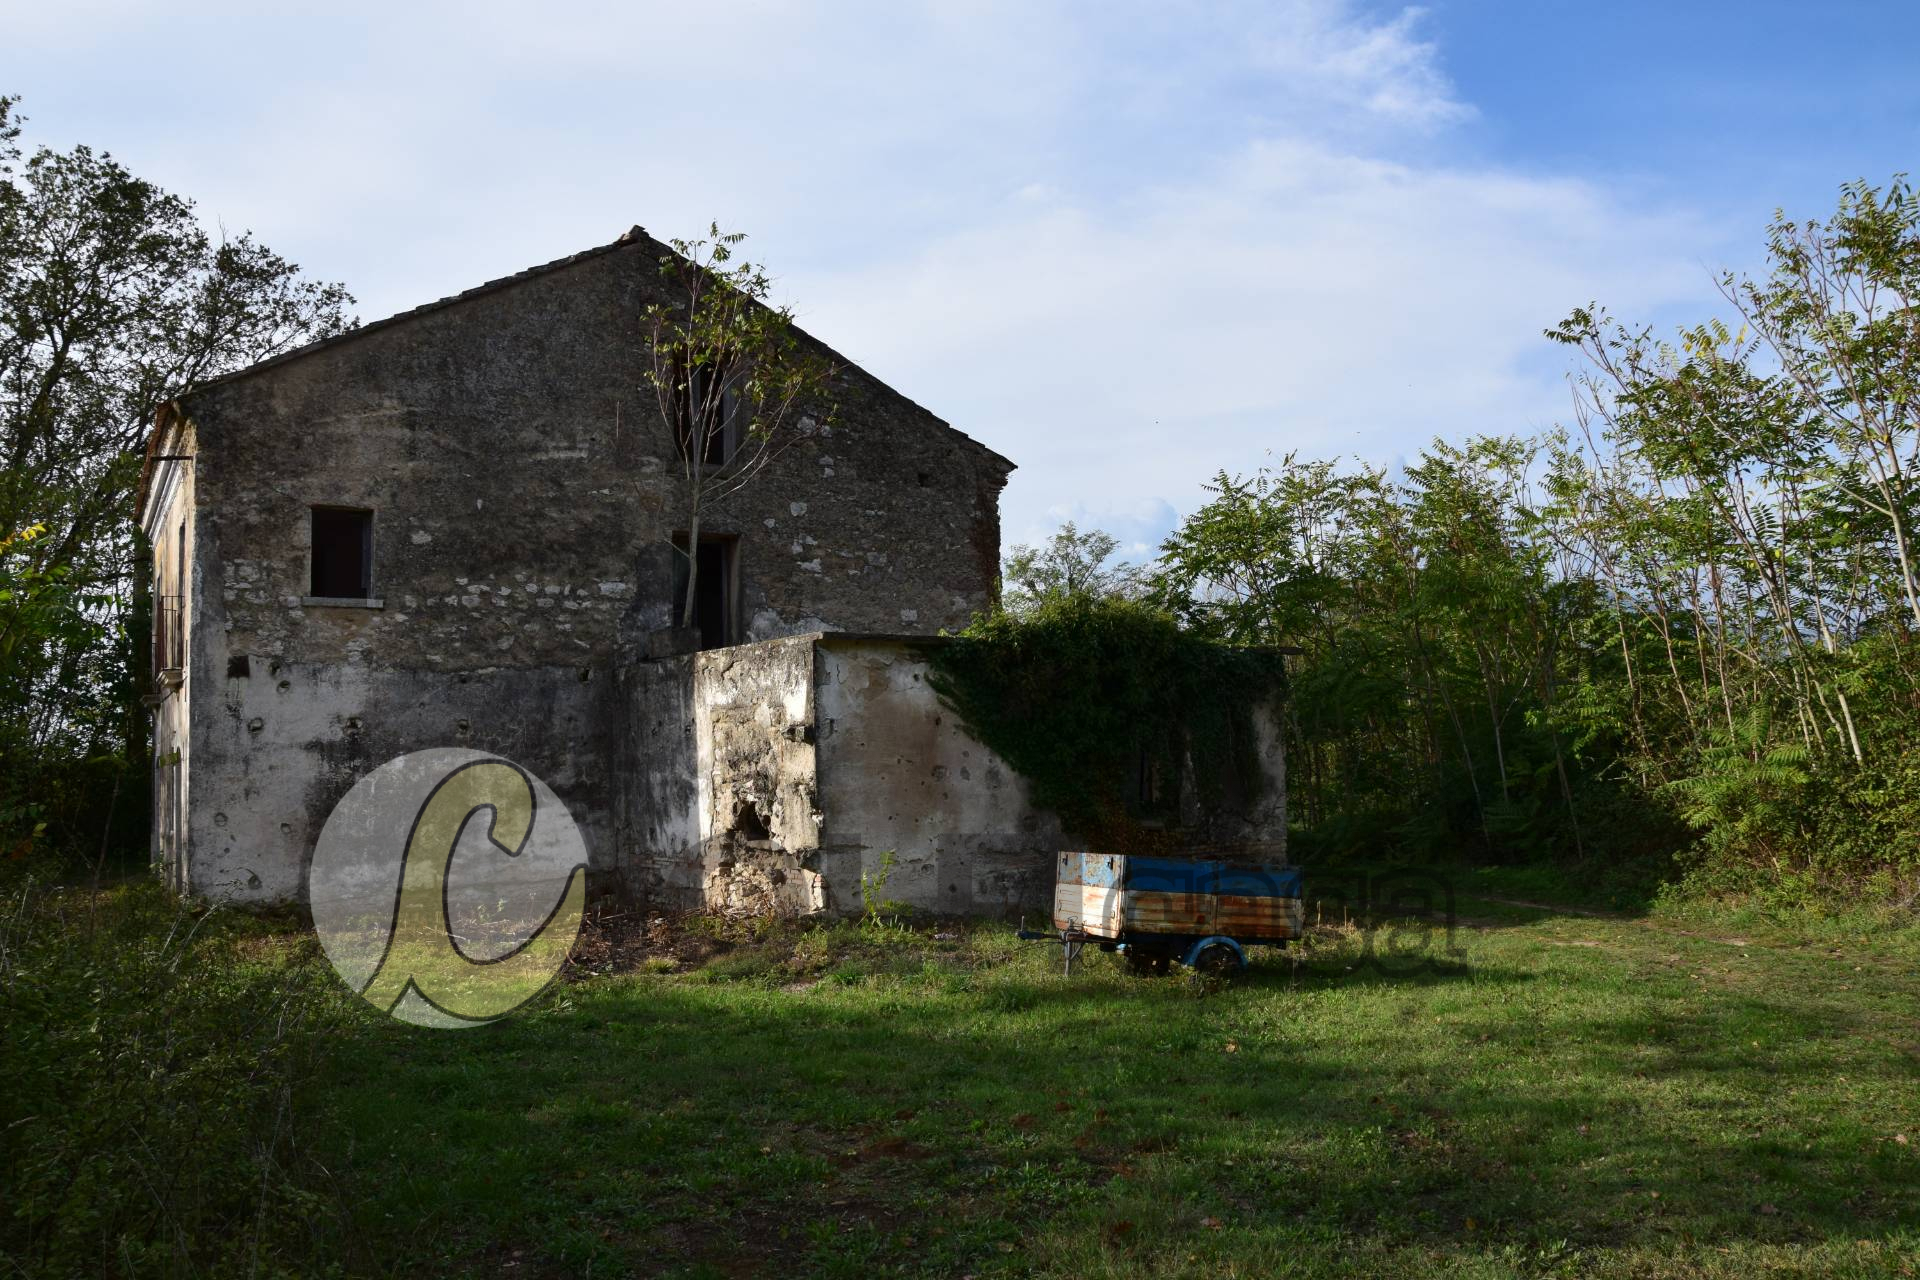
x=1556, y=908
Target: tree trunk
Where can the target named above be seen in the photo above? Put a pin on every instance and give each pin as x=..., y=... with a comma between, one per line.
x=693, y=563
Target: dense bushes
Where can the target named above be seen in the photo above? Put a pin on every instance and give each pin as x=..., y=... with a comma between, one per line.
x=1082, y=693
x=150, y=1122
x=1689, y=625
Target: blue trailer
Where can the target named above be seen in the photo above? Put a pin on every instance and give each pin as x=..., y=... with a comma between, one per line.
x=1159, y=910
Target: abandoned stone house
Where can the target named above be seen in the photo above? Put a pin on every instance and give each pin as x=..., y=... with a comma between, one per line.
x=456, y=527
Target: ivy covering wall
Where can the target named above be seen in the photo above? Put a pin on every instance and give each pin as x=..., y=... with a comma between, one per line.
x=1084, y=695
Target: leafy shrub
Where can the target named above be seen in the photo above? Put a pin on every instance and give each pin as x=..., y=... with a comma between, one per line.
x=153, y=1055
x=1075, y=692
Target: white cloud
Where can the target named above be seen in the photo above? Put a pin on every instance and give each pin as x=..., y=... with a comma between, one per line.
x=1382, y=70
x=1296, y=298
x=1127, y=243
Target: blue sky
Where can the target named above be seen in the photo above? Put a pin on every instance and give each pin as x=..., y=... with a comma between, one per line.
x=1128, y=244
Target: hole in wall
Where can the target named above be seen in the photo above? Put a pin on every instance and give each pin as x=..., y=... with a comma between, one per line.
x=749, y=824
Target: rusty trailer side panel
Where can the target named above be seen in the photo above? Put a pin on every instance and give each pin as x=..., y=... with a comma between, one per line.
x=1242, y=917
x=1153, y=911
x=1111, y=895
x=1083, y=906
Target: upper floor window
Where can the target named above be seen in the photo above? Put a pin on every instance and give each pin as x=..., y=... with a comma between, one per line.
x=705, y=404
x=342, y=553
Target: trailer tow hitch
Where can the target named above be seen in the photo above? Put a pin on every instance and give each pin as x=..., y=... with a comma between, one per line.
x=1072, y=943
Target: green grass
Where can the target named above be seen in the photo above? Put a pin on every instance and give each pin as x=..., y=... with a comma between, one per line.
x=1564, y=1095
x=1567, y=1095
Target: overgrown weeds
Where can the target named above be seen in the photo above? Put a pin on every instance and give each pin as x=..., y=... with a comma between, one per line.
x=152, y=1120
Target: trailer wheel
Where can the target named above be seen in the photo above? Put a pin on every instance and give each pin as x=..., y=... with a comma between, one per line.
x=1217, y=962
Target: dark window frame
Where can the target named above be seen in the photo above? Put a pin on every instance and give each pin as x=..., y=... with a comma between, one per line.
x=320, y=588
x=690, y=384
x=727, y=549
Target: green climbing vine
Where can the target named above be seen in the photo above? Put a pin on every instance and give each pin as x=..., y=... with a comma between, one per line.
x=1099, y=702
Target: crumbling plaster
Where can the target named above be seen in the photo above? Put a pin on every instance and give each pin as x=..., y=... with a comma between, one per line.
x=812, y=758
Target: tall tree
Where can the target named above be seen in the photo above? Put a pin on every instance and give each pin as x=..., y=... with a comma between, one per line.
x=1070, y=564
x=732, y=377
x=113, y=299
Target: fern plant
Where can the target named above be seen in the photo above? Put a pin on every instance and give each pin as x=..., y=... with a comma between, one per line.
x=1746, y=794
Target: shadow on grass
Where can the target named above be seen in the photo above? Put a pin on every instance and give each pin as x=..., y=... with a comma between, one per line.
x=1376, y=897
x=974, y=1122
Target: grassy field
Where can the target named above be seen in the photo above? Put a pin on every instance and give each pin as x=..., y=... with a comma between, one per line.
x=1545, y=1093
x=1559, y=1094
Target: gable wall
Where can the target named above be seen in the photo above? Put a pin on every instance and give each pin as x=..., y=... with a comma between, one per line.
x=524, y=496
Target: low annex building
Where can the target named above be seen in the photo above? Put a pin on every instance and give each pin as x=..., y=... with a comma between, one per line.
x=457, y=527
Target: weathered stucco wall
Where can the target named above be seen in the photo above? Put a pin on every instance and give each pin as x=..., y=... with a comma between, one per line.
x=169, y=526
x=660, y=850
x=524, y=500
x=899, y=773
x=1263, y=826
x=813, y=757
x=275, y=748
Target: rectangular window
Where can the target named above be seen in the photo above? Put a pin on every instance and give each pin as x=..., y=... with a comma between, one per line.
x=1156, y=796
x=169, y=607
x=713, y=588
x=1150, y=789
x=705, y=402
x=342, y=553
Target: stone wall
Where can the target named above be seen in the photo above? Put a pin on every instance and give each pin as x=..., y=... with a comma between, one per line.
x=525, y=490
x=778, y=778
x=812, y=759
x=524, y=498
